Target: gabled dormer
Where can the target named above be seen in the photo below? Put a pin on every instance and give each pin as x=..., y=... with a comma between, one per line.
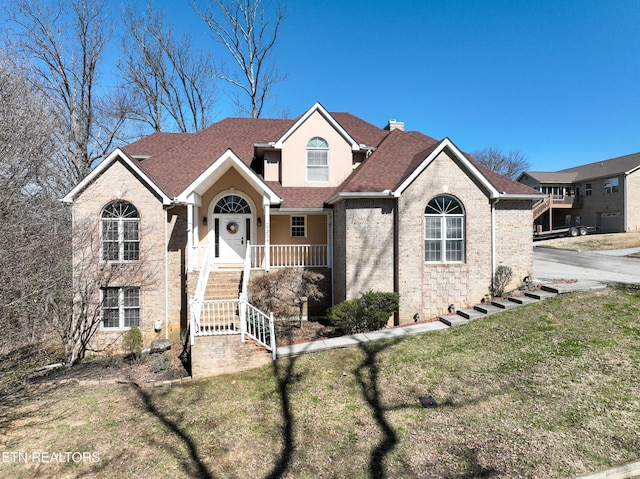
x=315, y=151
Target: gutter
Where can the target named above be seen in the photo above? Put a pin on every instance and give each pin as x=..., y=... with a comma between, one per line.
x=360, y=195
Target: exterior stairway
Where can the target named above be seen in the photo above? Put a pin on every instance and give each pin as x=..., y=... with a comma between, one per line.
x=497, y=305
x=223, y=284
x=225, y=353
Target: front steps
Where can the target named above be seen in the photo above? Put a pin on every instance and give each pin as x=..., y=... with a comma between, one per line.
x=225, y=353
x=463, y=316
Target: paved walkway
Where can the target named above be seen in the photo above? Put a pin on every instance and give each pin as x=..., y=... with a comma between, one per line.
x=404, y=330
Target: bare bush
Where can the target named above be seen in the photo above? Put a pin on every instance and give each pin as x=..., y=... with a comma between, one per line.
x=285, y=291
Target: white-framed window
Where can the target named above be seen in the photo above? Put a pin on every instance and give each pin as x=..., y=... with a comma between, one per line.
x=611, y=185
x=587, y=189
x=444, y=239
x=317, y=159
x=298, y=226
x=119, y=232
x=120, y=307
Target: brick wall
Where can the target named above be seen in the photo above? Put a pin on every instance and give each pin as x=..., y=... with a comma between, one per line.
x=118, y=182
x=632, y=201
x=514, y=241
x=339, y=253
x=215, y=355
x=368, y=256
x=428, y=289
x=369, y=244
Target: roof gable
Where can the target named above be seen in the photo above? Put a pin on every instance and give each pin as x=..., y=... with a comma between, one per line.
x=317, y=108
x=117, y=155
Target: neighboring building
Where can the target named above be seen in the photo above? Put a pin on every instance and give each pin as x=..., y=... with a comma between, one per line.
x=604, y=194
x=373, y=209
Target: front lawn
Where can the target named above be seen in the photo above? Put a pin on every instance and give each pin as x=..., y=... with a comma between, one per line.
x=548, y=390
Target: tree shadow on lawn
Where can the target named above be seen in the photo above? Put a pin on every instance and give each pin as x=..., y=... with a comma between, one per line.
x=367, y=375
x=285, y=377
x=196, y=468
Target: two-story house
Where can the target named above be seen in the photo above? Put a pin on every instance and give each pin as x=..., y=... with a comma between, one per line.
x=604, y=194
x=372, y=208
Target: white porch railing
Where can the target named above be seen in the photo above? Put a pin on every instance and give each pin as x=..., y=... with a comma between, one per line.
x=219, y=317
x=198, y=297
x=290, y=256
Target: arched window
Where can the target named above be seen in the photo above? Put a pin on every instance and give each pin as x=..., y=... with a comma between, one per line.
x=317, y=159
x=120, y=232
x=444, y=230
x=232, y=204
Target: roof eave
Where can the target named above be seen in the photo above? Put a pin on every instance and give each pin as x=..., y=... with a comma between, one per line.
x=106, y=163
x=317, y=107
x=447, y=143
x=360, y=195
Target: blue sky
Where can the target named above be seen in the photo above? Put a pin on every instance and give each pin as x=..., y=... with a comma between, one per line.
x=557, y=80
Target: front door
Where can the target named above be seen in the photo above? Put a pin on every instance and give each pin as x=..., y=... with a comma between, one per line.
x=232, y=237
x=231, y=220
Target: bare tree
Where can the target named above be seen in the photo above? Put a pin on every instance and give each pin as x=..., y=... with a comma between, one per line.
x=65, y=42
x=249, y=33
x=34, y=226
x=510, y=165
x=164, y=75
x=77, y=323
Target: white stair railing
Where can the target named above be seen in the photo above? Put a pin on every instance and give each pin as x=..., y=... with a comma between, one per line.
x=198, y=297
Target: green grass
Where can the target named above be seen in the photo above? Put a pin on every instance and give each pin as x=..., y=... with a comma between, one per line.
x=545, y=390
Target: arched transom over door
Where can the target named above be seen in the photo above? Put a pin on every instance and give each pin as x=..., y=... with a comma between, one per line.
x=231, y=225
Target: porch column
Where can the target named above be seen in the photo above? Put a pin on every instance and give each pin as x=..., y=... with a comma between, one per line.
x=267, y=234
x=193, y=238
x=330, y=239
x=191, y=259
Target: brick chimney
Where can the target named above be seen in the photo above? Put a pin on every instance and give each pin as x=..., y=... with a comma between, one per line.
x=394, y=125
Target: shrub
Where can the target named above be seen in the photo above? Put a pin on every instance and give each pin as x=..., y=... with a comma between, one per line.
x=284, y=291
x=161, y=362
x=368, y=313
x=501, y=279
x=132, y=341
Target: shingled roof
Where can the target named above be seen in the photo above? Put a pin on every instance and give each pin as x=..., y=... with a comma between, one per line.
x=173, y=160
x=598, y=169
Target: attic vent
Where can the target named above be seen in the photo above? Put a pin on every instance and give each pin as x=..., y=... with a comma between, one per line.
x=394, y=125
x=140, y=157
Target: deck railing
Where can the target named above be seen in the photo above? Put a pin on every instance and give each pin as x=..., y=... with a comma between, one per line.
x=290, y=256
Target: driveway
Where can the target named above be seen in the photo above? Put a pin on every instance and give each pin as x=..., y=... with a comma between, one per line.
x=604, y=266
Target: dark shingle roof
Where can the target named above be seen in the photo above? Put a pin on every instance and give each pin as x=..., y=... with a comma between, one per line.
x=598, y=169
x=174, y=160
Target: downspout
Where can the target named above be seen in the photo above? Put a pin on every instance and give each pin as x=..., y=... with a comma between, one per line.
x=493, y=238
x=625, y=203
x=166, y=278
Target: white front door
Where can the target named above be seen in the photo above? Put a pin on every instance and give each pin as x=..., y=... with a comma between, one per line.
x=232, y=237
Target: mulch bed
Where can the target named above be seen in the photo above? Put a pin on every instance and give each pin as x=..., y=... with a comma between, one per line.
x=119, y=367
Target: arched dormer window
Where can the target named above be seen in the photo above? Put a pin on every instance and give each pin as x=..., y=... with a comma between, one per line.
x=317, y=159
x=444, y=240
x=120, y=232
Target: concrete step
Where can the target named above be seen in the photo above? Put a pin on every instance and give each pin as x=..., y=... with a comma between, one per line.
x=503, y=304
x=540, y=294
x=488, y=308
x=453, y=320
x=470, y=314
x=522, y=300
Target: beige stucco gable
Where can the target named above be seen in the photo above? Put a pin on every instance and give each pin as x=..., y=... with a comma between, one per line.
x=294, y=152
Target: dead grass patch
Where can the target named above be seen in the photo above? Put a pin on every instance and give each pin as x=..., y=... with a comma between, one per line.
x=547, y=390
x=595, y=242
